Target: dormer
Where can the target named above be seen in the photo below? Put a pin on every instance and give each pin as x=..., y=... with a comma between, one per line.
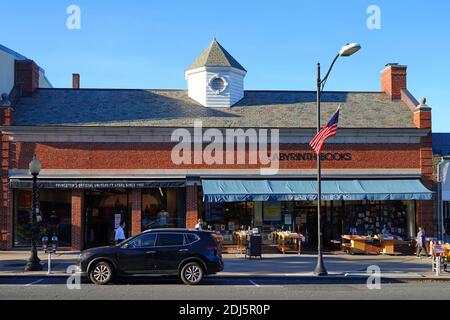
x=215, y=79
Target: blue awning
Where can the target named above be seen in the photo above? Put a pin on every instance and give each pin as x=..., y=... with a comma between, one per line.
x=298, y=190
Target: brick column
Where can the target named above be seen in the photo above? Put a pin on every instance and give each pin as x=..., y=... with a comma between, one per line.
x=78, y=219
x=6, y=211
x=192, y=213
x=425, y=214
x=136, y=211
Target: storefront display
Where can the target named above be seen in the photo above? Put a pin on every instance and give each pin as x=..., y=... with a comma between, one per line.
x=339, y=218
x=163, y=208
x=54, y=216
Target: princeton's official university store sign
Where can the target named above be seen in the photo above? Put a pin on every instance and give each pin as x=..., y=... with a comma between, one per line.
x=108, y=156
x=17, y=184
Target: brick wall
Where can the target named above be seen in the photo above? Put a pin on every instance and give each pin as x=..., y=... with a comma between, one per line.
x=425, y=215
x=192, y=214
x=6, y=199
x=158, y=156
x=136, y=211
x=77, y=219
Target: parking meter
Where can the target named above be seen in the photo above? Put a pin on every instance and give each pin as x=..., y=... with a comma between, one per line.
x=45, y=243
x=54, y=244
x=49, y=248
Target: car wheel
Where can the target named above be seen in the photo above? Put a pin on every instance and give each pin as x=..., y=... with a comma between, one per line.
x=101, y=273
x=192, y=273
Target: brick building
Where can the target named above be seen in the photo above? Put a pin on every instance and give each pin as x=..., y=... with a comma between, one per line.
x=107, y=155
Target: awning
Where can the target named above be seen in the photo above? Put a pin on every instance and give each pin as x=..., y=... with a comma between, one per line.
x=105, y=184
x=298, y=190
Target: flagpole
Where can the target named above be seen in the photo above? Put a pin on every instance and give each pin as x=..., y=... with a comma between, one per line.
x=320, y=267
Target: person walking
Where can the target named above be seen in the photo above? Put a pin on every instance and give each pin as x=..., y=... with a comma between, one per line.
x=120, y=233
x=421, y=242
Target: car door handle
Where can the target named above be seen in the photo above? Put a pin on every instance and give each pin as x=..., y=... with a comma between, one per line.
x=149, y=252
x=183, y=250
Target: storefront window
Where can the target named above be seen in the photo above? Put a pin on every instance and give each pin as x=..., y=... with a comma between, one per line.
x=163, y=208
x=105, y=210
x=337, y=217
x=370, y=217
x=54, y=216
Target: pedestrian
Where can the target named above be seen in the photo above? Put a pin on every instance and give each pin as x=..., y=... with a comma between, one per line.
x=385, y=230
x=421, y=242
x=199, y=225
x=120, y=233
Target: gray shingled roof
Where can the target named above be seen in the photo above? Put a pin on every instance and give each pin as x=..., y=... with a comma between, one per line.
x=215, y=56
x=173, y=108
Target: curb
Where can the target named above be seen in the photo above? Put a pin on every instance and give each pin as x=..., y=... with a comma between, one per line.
x=337, y=277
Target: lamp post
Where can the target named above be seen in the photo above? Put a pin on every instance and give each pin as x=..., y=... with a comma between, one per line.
x=33, y=263
x=345, y=51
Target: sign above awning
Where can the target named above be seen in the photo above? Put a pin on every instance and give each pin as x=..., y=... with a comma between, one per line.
x=306, y=190
x=77, y=184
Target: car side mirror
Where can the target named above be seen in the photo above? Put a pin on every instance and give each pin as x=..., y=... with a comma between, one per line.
x=126, y=246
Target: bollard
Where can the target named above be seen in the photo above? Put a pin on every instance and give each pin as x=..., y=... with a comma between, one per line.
x=49, y=270
x=438, y=265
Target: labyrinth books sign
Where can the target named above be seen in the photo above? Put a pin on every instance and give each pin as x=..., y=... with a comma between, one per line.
x=309, y=156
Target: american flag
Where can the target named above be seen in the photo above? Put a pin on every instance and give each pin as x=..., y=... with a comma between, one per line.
x=328, y=131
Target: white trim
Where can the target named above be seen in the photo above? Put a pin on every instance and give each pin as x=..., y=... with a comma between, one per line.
x=210, y=173
x=214, y=69
x=159, y=134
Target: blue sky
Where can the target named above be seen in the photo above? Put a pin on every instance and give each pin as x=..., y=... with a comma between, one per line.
x=149, y=44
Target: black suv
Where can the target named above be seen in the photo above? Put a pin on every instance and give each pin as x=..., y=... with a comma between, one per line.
x=189, y=254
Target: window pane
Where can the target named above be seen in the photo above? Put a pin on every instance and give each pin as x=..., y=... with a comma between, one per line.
x=144, y=241
x=191, y=238
x=163, y=208
x=170, y=239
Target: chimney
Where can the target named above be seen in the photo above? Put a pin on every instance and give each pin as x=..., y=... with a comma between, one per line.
x=26, y=76
x=75, y=81
x=393, y=80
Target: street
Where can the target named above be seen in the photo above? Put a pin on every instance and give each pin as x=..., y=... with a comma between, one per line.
x=223, y=288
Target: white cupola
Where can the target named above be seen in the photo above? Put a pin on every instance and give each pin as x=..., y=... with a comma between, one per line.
x=215, y=79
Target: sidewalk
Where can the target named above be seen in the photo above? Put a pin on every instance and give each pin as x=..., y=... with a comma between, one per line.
x=338, y=265
x=272, y=265
x=12, y=263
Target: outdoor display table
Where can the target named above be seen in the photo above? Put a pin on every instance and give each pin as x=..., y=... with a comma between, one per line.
x=446, y=255
x=275, y=236
x=289, y=242
x=360, y=244
x=394, y=245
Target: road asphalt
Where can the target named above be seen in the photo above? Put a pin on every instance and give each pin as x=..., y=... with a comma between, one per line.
x=274, y=277
x=222, y=288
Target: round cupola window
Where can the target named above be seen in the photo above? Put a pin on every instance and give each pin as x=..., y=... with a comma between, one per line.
x=218, y=84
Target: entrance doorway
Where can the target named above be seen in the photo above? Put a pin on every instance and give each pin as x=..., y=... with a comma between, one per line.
x=104, y=211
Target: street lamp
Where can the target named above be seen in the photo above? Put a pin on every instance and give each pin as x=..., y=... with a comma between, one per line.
x=345, y=51
x=33, y=263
